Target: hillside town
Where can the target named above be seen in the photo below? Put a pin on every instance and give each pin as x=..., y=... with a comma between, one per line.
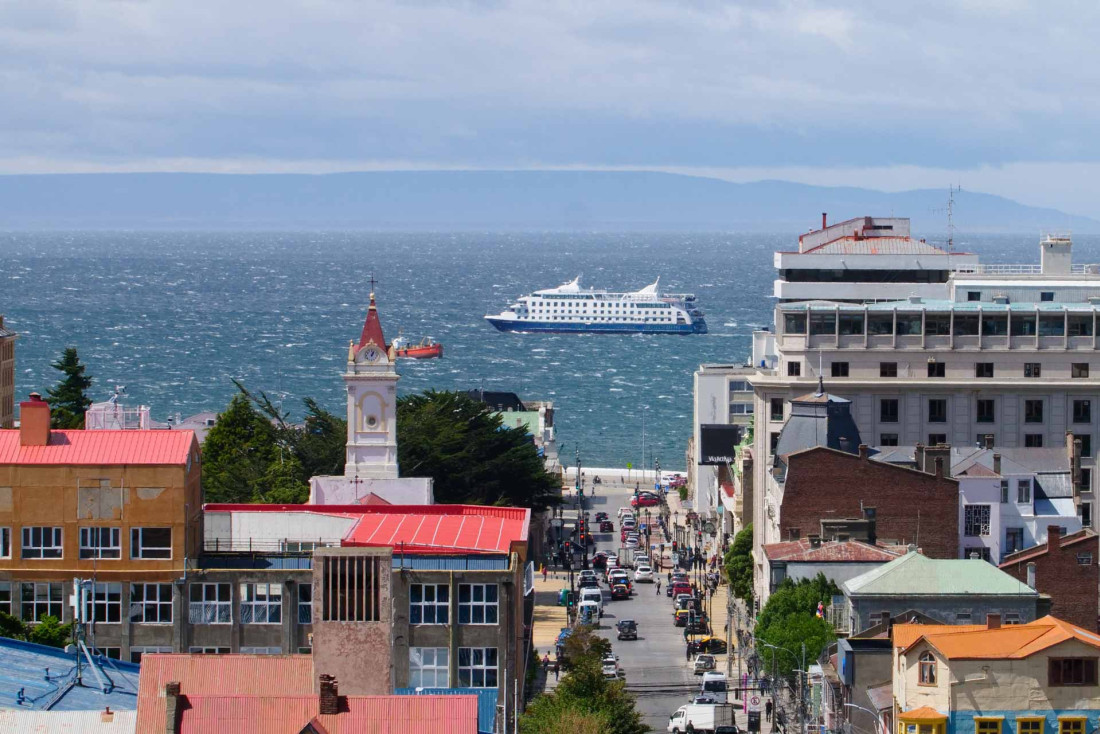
x=885, y=525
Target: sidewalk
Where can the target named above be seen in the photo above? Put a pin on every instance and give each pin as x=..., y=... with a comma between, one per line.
x=549, y=618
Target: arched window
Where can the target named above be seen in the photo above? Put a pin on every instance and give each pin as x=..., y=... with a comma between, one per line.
x=928, y=669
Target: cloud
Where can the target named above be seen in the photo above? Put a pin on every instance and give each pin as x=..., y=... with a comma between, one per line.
x=944, y=85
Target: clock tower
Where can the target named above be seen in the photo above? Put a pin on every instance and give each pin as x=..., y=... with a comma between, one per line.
x=371, y=381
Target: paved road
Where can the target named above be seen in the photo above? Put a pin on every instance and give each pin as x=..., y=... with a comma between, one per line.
x=656, y=669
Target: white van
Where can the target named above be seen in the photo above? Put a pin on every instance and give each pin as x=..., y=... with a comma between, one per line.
x=714, y=686
x=595, y=595
x=588, y=612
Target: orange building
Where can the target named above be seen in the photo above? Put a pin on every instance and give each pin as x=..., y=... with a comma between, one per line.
x=7, y=376
x=119, y=509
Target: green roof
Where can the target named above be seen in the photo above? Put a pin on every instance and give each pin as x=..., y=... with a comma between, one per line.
x=917, y=575
x=526, y=419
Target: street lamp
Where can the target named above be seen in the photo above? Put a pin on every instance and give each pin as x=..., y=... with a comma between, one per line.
x=876, y=717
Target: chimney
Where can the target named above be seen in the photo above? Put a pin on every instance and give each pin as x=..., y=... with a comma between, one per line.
x=863, y=451
x=330, y=695
x=936, y=456
x=106, y=716
x=815, y=541
x=996, y=463
x=870, y=515
x=988, y=441
x=1031, y=575
x=918, y=455
x=34, y=421
x=172, y=707
x=993, y=621
x=939, y=467
x=824, y=220
x=1054, y=538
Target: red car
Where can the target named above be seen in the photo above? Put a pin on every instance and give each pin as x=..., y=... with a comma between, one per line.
x=606, y=526
x=644, y=500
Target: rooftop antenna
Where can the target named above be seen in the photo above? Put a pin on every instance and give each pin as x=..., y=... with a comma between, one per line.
x=951, y=191
x=820, y=376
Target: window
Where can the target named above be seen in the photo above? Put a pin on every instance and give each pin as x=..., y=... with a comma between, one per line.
x=351, y=588
x=937, y=369
x=477, y=604
x=104, y=603
x=305, y=603
x=5, y=597
x=114, y=653
x=1046, y=296
x=773, y=441
x=5, y=542
x=261, y=603
x=1084, y=559
x=982, y=438
x=1023, y=490
x=839, y=369
x=1086, y=443
x=976, y=552
x=986, y=411
x=1033, y=369
x=937, y=439
x=1086, y=481
x=137, y=652
x=1084, y=510
x=151, y=543
x=1029, y=726
x=888, y=439
x=973, y=295
x=1082, y=411
x=927, y=669
x=888, y=410
x=983, y=369
x=976, y=520
x=261, y=650
x=428, y=667
x=1079, y=369
x=40, y=600
x=1080, y=325
x=1072, y=671
x=986, y=726
x=210, y=604
x=794, y=369
x=429, y=604
x=887, y=369
x=776, y=409
x=822, y=324
x=1011, y=618
x=1071, y=724
x=1033, y=411
x=208, y=650
x=1014, y=539
x=477, y=667
x=1023, y=325
x=100, y=543
x=42, y=543
x=151, y=603
x=937, y=410
x=1033, y=440
x=1004, y=490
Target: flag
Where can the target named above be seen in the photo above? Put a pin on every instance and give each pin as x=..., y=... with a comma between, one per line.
x=820, y=610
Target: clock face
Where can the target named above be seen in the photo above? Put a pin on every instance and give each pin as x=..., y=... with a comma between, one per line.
x=373, y=354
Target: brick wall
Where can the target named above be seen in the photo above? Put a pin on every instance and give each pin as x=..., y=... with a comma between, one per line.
x=911, y=506
x=1071, y=585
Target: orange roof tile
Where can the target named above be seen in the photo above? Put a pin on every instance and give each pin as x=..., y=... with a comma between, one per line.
x=100, y=448
x=905, y=635
x=1011, y=642
x=924, y=713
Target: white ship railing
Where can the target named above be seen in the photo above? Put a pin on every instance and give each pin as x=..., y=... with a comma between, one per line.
x=1021, y=269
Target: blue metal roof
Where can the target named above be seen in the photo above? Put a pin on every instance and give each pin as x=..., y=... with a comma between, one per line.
x=37, y=677
x=486, y=702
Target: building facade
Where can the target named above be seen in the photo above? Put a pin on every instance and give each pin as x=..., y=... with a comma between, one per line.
x=1065, y=568
x=7, y=376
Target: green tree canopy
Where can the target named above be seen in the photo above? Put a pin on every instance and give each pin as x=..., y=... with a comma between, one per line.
x=239, y=453
x=49, y=631
x=738, y=563
x=68, y=399
x=471, y=456
x=790, y=619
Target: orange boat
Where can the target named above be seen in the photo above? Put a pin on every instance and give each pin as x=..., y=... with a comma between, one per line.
x=428, y=348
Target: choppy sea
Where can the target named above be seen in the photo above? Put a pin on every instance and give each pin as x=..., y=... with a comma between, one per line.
x=174, y=316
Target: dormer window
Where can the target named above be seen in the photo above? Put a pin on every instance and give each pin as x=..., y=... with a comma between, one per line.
x=927, y=669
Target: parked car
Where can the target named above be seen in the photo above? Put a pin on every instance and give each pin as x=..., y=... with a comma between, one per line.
x=710, y=645
x=643, y=573
x=676, y=589
x=680, y=617
x=631, y=542
x=586, y=574
x=627, y=629
x=606, y=526
x=703, y=663
x=697, y=625
x=644, y=499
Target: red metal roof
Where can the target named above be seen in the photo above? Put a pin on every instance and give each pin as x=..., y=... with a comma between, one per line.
x=372, y=328
x=848, y=551
x=411, y=528
x=100, y=448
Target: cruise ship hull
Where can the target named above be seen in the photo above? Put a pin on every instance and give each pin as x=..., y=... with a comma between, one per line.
x=579, y=327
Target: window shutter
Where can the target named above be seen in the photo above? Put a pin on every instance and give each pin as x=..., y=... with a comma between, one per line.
x=1055, y=668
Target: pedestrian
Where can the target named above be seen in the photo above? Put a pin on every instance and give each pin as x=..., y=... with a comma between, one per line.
x=557, y=667
x=670, y=578
x=768, y=710
x=687, y=650
x=546, y=661
x=658, y=587
x=545, y=571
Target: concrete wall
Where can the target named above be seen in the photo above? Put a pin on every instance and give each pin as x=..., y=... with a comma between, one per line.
x=946, y=609
x=339, y=490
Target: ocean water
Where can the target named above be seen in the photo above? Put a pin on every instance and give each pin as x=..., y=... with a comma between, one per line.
x=175, y=316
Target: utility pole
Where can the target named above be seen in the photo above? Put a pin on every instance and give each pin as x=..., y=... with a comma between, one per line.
x=802, y=693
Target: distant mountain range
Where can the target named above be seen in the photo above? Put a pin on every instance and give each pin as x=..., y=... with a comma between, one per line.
x=490, y=200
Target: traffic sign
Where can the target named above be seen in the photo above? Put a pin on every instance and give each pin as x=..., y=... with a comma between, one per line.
x=629, y=465
x=756, y=703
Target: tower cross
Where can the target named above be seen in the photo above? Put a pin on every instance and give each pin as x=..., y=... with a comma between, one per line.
x=372, y=282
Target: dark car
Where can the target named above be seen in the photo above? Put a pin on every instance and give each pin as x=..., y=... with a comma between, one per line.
x=601, y=516
x=620, y=591
x=628, y=629
x=727, y=730
x=589, y=582
x=698, y=626
x=606, y=526
x=599, y=559
x=709, y=645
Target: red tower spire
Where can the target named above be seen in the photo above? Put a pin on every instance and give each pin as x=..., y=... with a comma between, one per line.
x=372, y=327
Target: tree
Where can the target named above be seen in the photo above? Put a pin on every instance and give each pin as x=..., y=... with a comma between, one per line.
x=790, y=619
x=68, y=400
x=48, y=631
x=238, y=454
x=738, y=563
x=468, y=452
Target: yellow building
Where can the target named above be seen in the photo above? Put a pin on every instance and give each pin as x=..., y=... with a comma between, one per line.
x=1035, y=678
x=120, y=509
x=7, y=376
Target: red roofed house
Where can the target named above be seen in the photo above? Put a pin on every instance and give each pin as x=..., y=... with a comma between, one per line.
x=123, y=507
x=839, y=560
x=285, y=694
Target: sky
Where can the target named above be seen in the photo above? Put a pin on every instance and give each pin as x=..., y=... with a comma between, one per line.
x=1001, y=96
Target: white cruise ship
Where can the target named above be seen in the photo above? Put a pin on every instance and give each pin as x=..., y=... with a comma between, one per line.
x=570, y=308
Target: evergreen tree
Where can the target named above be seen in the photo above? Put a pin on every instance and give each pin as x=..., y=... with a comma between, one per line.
x=738, y=562
x=68, y=400
x=790, y=619
x=238, y=454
